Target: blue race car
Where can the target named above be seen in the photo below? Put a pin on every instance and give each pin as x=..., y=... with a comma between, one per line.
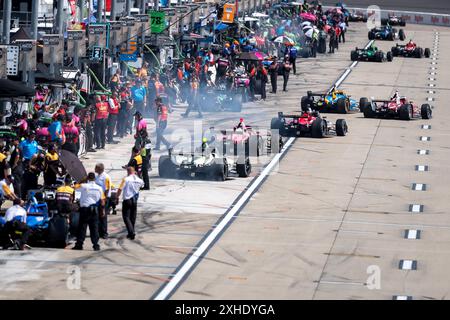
x=46, y=226
x=336, y=101
x=386, y=33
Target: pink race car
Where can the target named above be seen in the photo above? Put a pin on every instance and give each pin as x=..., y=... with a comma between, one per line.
x=396, y=107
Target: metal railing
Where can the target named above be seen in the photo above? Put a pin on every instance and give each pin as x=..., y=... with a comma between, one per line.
x=23, y=18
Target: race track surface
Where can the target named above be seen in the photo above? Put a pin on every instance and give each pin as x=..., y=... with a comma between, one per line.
x=330, y=210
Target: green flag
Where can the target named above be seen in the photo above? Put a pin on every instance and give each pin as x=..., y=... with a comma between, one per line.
x=157, y=21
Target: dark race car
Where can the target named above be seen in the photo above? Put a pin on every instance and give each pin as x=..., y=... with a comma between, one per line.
x=370, y=54
x=357, y=16
x=410, y=50
x=334, y=101
x=394, y=20
x=396, y=107
x=386, y=33
x=307, y=124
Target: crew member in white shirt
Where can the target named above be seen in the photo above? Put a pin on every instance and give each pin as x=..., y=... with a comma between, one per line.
x=129, y=188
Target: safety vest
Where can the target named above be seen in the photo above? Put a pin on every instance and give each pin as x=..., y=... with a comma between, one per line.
x=64, y=193
x=162, y=113
x=138, y=167
x=102, y=110
x=115, y=108
x=159, y=88
x=71, y=133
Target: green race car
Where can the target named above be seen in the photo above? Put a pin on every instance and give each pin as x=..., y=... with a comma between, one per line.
x=370, y=54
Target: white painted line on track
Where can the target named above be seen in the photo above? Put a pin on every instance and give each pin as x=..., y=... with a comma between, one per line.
x=408, y=265
x=412, y=234
x=419, y=187
x=402, y=298
x=421, y=168
x=416, y=208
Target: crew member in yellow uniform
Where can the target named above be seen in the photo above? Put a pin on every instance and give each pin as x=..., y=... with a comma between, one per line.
x=104, y=181
x=51, y=166
x=7, y=190
x=65, y=196
x=136, y=161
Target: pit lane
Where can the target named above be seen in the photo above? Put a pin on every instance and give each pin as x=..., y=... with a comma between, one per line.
x=173, y=216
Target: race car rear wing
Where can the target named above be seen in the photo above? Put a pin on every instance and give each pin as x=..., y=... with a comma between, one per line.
x=383, y=101
x=315, y=94
x=282, y=115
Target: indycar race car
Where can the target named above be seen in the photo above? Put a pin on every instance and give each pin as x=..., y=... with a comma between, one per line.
x=333, y=101
x=394, y=20
x=309, y=123
x=386, y=33
x=370, y=54
x=46, y=226
x=410, y=50
x=396, y=107
x=220, y=98
x=357, y=16
x=223, y=153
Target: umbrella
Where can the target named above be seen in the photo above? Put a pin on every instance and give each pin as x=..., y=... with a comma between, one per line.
x=251, y=56
x=259, y=55
x=73, y=165
x=14, y=89
x=308, y=16
x=283, y=39
x=259, y=15
x=306, y=24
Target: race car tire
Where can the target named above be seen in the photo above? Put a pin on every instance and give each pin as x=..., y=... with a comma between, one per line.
x=58, y=232
x=318, y=128
x=275, y=124
x=427, y=52
x=404, y=112
x=166, y=168
x=343, y=105
x=394, y=51
x=363, y=103
x=425, y=111
x=341, y=127
x=236, y=103
x=389, y=56
x=391, y=36
x=322, y=47
x=368, y=111
x=379, y=56
x=418, y=53
x=243, y=167
x=371, y=35
x=401, y=35
x=354, y=55
x=218, y=171
x=74, y=222
x=384, y=22
x=402, y=23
